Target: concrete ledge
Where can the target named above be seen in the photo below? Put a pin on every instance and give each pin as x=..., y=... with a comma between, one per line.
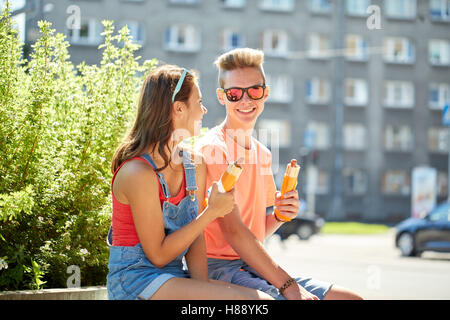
x=87, y=293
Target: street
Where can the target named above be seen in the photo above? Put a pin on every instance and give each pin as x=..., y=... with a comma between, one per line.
x=368, y=264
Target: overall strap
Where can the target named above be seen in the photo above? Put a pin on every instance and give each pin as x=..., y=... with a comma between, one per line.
x=109, y=237
x=190, y=173
x=164, y=186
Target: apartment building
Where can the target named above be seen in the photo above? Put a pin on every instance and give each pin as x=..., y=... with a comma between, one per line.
x=358, y=93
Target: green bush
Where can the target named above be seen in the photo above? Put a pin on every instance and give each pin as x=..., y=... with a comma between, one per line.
x=60, y=125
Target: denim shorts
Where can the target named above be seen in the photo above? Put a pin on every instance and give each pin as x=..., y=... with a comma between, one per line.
x=132, y=276
x=238, y=272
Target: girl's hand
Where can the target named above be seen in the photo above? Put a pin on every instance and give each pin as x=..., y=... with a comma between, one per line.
x=220, y=204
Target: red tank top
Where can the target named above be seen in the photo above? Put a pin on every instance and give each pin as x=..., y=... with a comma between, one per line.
x=124, y=231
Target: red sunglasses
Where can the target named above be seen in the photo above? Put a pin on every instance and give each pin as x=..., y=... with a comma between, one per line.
x=254, y=92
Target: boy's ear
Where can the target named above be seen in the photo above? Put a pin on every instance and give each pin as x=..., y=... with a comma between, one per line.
x=220, y=96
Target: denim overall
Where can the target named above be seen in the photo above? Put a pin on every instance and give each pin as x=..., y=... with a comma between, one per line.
x=131, y=275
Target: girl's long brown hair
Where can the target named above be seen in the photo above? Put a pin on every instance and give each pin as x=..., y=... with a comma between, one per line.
x=153, y=122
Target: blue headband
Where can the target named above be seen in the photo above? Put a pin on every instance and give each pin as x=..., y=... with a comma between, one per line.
x=179, y=84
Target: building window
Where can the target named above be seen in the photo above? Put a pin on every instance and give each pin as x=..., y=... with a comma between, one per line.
x=439, y=95
x=357, y=7
x=317, y=182
x=18, y=20
x=320, y=135
x=137, y=31
x=318, y=46
x=88, y=34
x=355, y=181
x=317, y=91
x=281, y=88
x=401, y=9
x=356, y=48
x=438, y=140
x=440, y=10
x=275, y=43
x=322, y=186
x=398, y=138
x=233, y=3
x=399, y=50
x=356, y=92
x=396, y=182
x=442, y=184
x=354, y=136
x=232, y=39
x=439, y=52
x=277, y=5
x=320, y=6
x=274, y=132
x=182, y=38
x=399, y=94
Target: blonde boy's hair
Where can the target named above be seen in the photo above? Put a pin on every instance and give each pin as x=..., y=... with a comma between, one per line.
x=237, y=59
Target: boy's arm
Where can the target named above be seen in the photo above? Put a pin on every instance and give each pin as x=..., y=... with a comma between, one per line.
x=272, y=224
x=196, y=259
x=196, y=255
x=250, y=249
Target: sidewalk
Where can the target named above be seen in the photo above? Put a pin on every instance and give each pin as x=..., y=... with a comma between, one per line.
x=367, y=264
x=88, y=293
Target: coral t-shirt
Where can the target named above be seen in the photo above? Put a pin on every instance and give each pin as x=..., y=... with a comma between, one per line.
x=254, y=191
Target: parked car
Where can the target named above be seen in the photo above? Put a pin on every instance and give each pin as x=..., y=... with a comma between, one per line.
x=413, y=235
x=302, y=226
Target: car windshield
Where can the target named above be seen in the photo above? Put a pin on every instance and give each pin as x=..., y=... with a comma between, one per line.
x=441, y=213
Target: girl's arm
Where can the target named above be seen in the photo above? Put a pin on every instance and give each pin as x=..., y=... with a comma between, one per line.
x=196, y=256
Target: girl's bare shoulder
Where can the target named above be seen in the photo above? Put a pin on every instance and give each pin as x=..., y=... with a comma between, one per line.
x=136, y=173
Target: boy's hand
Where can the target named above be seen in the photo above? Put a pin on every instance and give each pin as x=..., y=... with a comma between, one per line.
x=289, y=205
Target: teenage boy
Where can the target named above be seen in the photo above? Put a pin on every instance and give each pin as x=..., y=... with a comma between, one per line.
x=234, y=243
